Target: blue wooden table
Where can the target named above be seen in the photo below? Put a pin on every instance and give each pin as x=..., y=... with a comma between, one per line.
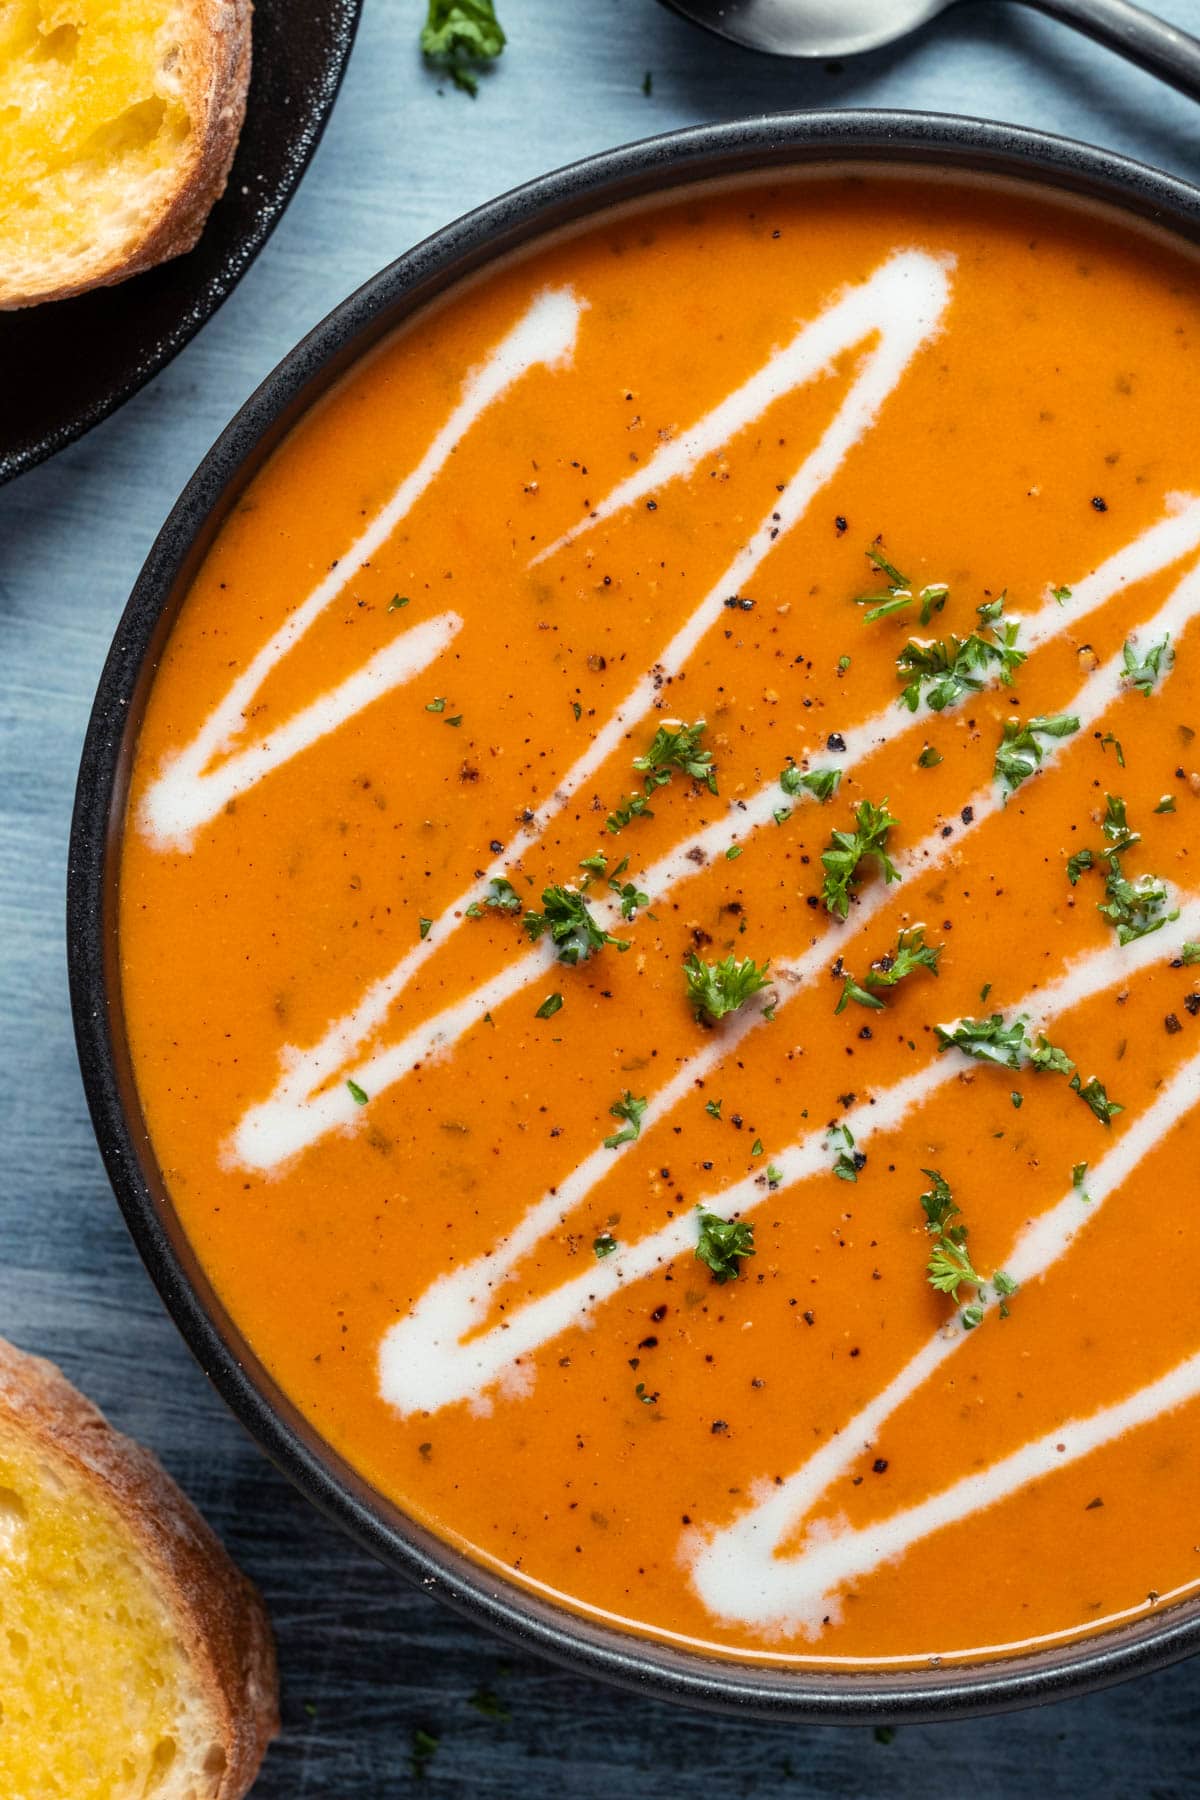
x=365, y=1661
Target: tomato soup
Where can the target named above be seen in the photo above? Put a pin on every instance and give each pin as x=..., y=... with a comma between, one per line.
x=659, y=928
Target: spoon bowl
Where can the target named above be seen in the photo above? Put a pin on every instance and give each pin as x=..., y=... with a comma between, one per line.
x=821, y=28
x=810, y=28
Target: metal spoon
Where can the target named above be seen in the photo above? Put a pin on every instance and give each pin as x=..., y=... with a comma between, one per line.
x=845, y=27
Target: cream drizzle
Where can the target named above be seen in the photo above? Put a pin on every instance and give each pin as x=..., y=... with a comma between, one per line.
x=424, y=1362
x=903, y=303
x=877, y=303
x=428, y=1359
x=389, y=668
x=739, y=1578
x=294, y=1116
x=738, y=1572
x=186, y=794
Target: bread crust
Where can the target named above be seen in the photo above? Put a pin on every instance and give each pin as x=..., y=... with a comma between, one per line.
x=214, y=82
x=218, y=1614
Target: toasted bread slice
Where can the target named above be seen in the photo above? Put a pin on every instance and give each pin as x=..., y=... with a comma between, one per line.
x=118, y=123
x=136, y=1663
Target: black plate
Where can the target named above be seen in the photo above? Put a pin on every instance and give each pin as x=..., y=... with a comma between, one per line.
x=53, y=390
x=653, y=168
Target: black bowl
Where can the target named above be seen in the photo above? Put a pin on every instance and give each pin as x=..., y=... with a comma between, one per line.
x=653, y=167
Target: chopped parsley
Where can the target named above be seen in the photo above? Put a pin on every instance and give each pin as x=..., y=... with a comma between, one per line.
x=1048, y=1059
x=911, y=952
x=459, y=33
x=437, y=704
x=1093, y=1092
x=852, y=991
x=634, y=806
x=573, y=931
x=950, y=1266
x=630, y=896
x=1115, y=826
x=677, y=748
x=632, y=1110
x=1007, y=1044
x=847, y=1160
x=490, y=1705
x=1136, y=908
x=929, y=758
x=357, y=1094
x=995, y=1040
x=424, y=1748
x=1144, y=672
x=1166, y=804
x=1189, y=954
x=672, y=748
x=713, y=1108
x=501, y=895
x=397, y=601
x=723, y=1244
x=604, y=1245
x=550, y=1005
x=849, y=849
x=991, y=1040
x=899, y=595
x=949, y=668
x=715, y=989
x=1021, y=750
x=822, y=784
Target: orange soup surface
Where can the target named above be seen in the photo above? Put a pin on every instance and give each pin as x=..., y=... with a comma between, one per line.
x=659, y=931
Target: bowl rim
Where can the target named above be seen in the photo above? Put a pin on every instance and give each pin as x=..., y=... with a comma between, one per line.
x=653, y=166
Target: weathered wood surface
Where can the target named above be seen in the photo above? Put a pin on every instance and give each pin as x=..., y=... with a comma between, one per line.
x=365, y=1660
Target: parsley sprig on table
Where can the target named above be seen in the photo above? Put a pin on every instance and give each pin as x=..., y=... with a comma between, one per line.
x=459, y=33
x=723, y=1244
x=848, y=850
x=943, y=670
x=715, y=989
x=950, y=1267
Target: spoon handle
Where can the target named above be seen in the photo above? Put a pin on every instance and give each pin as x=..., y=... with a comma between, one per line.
x=1163, y=49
